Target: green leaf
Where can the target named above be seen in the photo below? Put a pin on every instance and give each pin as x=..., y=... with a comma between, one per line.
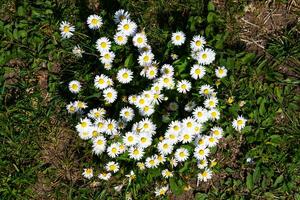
x=256, y=174
x=129, y=61
x=210, y=6
x=176, y=189
x=278, y=180
x=210, y=17
x=249, y=182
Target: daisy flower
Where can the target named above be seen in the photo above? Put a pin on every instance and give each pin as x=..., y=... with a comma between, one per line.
x=184, y=86
x=146, y=125
x=83, y=124
x=100, y=82
x=103, y=44
x=132, y=99
x=136, y=153
x=139, y=40
x=110, y=126
x=110, y=95
x=113, y=150
x=86, y=133
x=172, y=137
x=107, y=57
x=66, y=29
x=239, y=123
x=124, y=75
x=120, y=38
x=175, y=126
x=99, y=145
x=77, y=51
x=206, y=90
x=74, y=86
x=205, y=175
x=167, y=82
x=127, y=27
x=202, y=164
x=141, y=166
x=97, y=113
x=71, y=108
x=211, y=102
x=186, y=136
x=189, y=123
x=145, y=59
x=206, y=56
x=121, y=15
x=217, y=132
x=151, y=72
x=173, y=162
x=178, y=38
x=144, y=140
x=200, y=114
x=167, y=70
x=100, y=123
x=95, y=131
x=147, y=110
x=197, y=43
x=197, y=72
x=157, y=98
x=214, y=114
x=166, y=173
x=165, y=147
x=156, y=87
x=161, y=191
x=221, y=72
x=104, y=176
x=112, y=167
x=130, y=139
x=127, y=114
x=88, y=173
x=141, y=101
x=201, y=153
x=181, y=154
x=151, y=162
x=80, y=105
x=94, y=21
x=211, y=141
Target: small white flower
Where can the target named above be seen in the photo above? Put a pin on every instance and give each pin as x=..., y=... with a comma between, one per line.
x=124, y=75
x=184, y=86
x=121, y=15
x=130, y=139
x=201, y=153
x=100, y=82
x=167, y=70
x=120, y=38
x=66, y=29
x=165, y=147
x=200, y=114
x=99, y=145
x=178, y=38
x=152, y=162
x=166, y=173
x=104, y=176
x=197, y=72
x=197, y=43
x=88, y=173
x=162, y=191
x=113, y=150
x=136, y=153
x=211, y=102
x=239, y=123
x=181, y=154
x=112, y=166
x=206, y=56
x=221, y=72
x=77, y=51
x=127, y=113
x=139, y=40
x=205, y=175
x=146, y=58
x=103, y=44
x=107, y=57
x=94, y=22
x=110, y=95
x=74, y=86
x=127, y=27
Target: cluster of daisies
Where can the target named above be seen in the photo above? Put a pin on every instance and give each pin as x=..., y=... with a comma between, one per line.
x=134, y=133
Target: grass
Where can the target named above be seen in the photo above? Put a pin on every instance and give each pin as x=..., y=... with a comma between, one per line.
x=41, y=156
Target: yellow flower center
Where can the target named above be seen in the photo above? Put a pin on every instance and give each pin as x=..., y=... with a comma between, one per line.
x=198, y=43
x=211, y=139
x=101, y=81
x=182, y=154
x=107, y=56
x=146, y=58
x=74, y=86
x=66, y=29
x=206, y=91
x=143, y=140
x=100, y=124
x=221, y=71
x=112, y=168
x=172, y=136
x=120, y=38
x=183, y=86
x=239, y=122
x=165, y=146
x=151, y=162
x=152, y=73
x=136, y=152
x=94, y=21
x=88, y=171
x=127, y=113
x=125, y=75
x=142, y=101
x=214, y=114
x=166, y=80
x=146, y=125
x=99, y=142
x=110, y=126
x=186, y=137
x=114, y=150
x=109, y=95
x=201, y=142
x=130, y=138
x=204, y=56
x=199, y=114
x=126, y=27
x=216, y=132
x=84, y=124
x=201, y=152
x=198, y=71
x=146, y=108
x=211, y=103
x=189, y=124
x=177, y=37
x=204, y=174
x=140, y=40
x=95, y=133
x=103, y=44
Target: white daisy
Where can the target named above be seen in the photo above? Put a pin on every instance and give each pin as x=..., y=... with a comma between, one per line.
x=100, y=123
x=141, y=101
x=217, y=132
x=167, y=70
x=181, y=154
x=110, y=95
x=201, y=142
x=197, y=72
x=197, y=43
x=100, y=82
x=77, y=51
x=166, y=173
x=214, y=114
x=88, y=173
x=86, y=133
x=184, y=86
x=113, y=150
x=66, y=29
x=151, y=72
x=167, y=81
x=107, y=57
x=172, y=137
x=83, y=124
x=200, y=114
x=97, y=113
x=144, y=140
x=127, y=27
x=211, y=102
x=175, y=126
x=110, y=126
x=136, y=153
x=211, y=141
x=165, y=147
x=103, y=44
x=221, y=72
x=162, y=191
x=202, y=164
x=173, y=162
x=104, y=176
x=132, y=99
x=95, y=131
x=130, y=139
x=124, y=75
x=178, y=38
x=205, y=175
x=147, y=110
x=139, y=40
x=145, y=59
x=239, y=123
x=186, y=136
x=121, y=15
x=206, y=56
x=146, y=125
x=99, y=145
x=127, y=113
x=74, y=86
x=120, y=38
x=152, y=162
x=94, y=21
x=206, y=90
x=112, y=167
x=71, y=108
x=201, y=153
x=189, y=123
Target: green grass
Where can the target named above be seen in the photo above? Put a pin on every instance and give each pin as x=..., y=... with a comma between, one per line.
x=34, y=70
